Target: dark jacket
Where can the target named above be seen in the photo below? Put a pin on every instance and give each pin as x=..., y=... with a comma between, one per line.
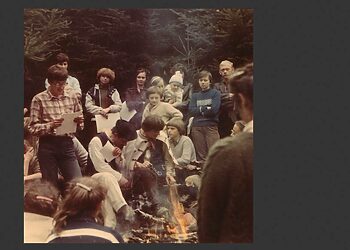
x=225, y=205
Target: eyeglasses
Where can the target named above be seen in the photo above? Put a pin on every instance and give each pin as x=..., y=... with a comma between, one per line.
x=59, y=83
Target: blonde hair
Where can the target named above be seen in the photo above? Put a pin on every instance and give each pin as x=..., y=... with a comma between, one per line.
x=106, y=72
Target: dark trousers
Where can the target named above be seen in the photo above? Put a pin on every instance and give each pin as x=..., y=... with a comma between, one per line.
x=57, y=153
x=203, y=138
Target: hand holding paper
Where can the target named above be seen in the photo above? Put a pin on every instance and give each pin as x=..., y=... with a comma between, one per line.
x=107, y=151
x=68, y=125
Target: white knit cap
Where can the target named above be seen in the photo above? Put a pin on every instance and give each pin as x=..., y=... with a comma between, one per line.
x=177, y=77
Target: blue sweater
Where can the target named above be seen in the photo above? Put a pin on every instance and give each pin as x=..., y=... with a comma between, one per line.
x=85, y=230
x=204, y=107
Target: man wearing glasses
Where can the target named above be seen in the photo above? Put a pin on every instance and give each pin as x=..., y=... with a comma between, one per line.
x=56, y=152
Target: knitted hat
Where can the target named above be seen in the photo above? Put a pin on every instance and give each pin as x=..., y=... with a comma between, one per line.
x=177, y=77
x=177, y=123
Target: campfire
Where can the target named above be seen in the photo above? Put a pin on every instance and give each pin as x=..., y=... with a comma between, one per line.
x=173, y=226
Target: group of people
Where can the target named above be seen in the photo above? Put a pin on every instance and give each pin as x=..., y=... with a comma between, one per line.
x=84, y=196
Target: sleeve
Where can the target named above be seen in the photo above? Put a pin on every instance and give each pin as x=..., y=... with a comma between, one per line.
x=76, y=85
x=90, y=105
x=194, y=110
x=78, y=107
x=145, y=113
x=35, y=126
x=168, y=160
x=166, y=95
x=179, y=97
x=215, y=106
x=174, y=112
x=80, y=152
x=117, y=106
x=98, y=160
x=185, y=158
x=34, y=166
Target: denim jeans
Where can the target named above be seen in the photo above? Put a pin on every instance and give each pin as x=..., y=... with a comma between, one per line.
x=57, y=153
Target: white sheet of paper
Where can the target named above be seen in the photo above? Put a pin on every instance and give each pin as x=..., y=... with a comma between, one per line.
x=125, y=114
x=68, y=125
x=103, y=123
x=107, y=151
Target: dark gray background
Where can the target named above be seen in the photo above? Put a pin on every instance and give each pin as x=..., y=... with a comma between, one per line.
x=301, y=158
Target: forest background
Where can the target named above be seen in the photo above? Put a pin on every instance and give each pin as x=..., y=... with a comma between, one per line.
x=125, y=39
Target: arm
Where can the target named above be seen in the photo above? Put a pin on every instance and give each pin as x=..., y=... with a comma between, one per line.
x=80, y=152
x=185, y=158
x=194, y=110
x=215, y=106
x=145, y=113
x=32, y=164
x=36, y=127
x=90, y=105
x=77, y=108
x=173, y=112
x=178, y=100
x=117, y=106
x=75, y=85
x=98, y=160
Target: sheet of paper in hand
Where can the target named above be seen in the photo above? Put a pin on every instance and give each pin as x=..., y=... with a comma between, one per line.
x=125, y=114
x=102, y=123
x=68, y=124
x=107, y=152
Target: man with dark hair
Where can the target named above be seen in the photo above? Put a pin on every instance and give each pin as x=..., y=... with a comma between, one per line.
x=225, y=205
x=55, y=151
x=108, y=172
x=149, y=162
x=62, y=60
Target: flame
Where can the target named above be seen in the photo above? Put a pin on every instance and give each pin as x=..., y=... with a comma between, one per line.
x=178, y=212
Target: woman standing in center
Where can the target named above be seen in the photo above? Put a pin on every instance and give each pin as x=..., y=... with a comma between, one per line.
x=135, y=97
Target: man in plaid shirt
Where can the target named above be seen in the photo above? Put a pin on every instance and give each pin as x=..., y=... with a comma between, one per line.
x=55, y=151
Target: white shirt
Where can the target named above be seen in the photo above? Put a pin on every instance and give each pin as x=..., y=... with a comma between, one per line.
x=98, y=159
x=36, y=227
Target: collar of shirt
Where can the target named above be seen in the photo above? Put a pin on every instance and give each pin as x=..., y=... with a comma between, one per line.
x=175, y=142
x=65, y=94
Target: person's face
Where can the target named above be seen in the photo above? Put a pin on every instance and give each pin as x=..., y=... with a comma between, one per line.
x=141, y=79
x=118, y=141
x=154, y=99
x=173, y=132
x=63, y=65
x=226, y=71
x=174, y=86
x=204, y=82
x=57, y=87
x=160, y=86
x=104, y=80
x=152, y=134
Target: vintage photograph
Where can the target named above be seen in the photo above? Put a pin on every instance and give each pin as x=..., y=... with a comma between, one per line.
x=138, y=125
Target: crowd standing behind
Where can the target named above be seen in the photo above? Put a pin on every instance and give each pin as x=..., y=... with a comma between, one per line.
x=168, y=139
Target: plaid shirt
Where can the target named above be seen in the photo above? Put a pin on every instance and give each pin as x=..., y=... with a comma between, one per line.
x=45, y=108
